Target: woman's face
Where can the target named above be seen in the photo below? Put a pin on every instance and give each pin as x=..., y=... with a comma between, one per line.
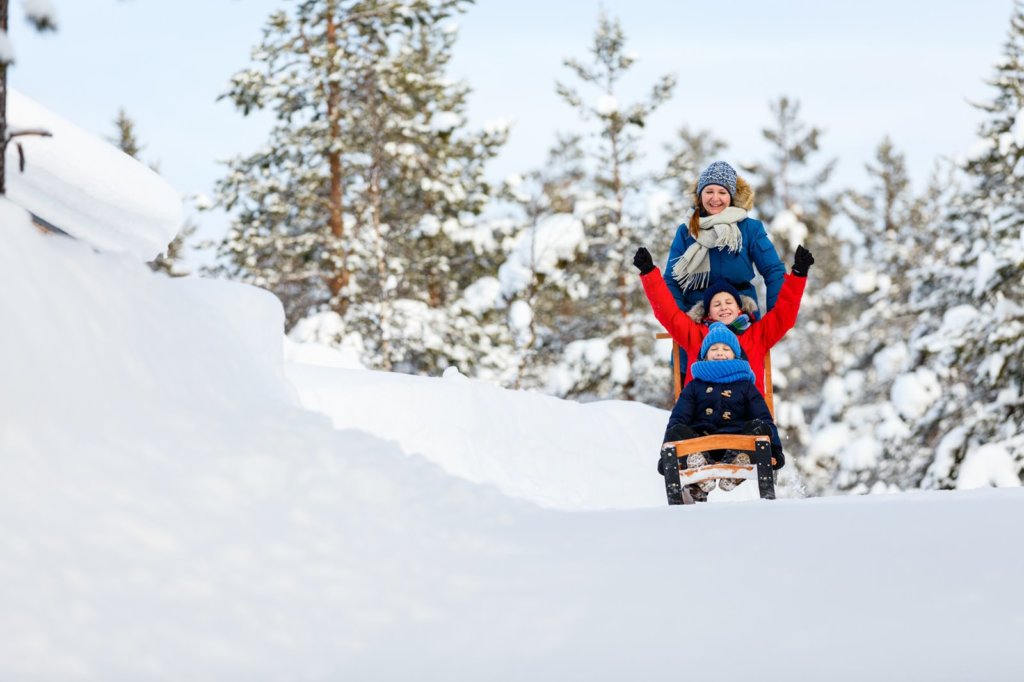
x=715, y=199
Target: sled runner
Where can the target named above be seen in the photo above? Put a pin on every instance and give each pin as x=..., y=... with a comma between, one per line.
x=677, y=478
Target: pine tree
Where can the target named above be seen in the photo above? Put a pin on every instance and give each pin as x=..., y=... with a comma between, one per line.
x=787, y=182
x=609, y=326
x=364, y=201
x=859, y=434
x=170, y=261
x=790, y=199
x=126, y=139
x=690, y=153
x=535, y=278
x=888, y=233
x=970, y=334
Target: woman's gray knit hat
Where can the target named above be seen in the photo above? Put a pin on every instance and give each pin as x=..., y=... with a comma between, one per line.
x=718, y=173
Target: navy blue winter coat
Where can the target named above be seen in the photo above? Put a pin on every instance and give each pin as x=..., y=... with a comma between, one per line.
x=721, y=408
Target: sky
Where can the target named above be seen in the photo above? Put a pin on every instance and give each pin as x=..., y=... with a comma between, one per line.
x=181, y=500
x=860, y=71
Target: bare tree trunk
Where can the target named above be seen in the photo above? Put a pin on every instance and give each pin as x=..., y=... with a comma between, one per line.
x=336, y=180
x=376, y=208
x=3, y=105
x=627, y=337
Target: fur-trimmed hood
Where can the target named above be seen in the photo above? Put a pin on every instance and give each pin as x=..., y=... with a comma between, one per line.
x=744, y=194
x=747, y=304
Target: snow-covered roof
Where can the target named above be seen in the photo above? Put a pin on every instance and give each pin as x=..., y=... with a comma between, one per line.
x=87, y=187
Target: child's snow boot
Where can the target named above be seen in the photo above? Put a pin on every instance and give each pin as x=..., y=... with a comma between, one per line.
x=699, y=459
x=697, y=493
x=733, y=457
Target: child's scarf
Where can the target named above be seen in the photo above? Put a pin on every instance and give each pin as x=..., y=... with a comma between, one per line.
x=740, y=324
x=722, y=371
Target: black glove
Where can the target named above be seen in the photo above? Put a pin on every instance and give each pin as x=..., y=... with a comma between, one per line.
x=780, y=459
x=802, y=262
x=642, y=260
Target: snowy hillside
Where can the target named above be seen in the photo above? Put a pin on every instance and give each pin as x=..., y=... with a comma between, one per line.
x=170, y=511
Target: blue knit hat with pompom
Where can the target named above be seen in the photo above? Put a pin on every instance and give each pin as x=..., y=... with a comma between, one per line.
x=719, y=333
x=718, y=173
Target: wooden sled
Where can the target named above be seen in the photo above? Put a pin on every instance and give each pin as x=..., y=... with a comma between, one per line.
x=760, y=447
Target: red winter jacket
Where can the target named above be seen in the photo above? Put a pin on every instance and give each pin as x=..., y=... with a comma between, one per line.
x=758, y=338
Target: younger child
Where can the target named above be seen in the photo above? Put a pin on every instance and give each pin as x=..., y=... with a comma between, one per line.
x=721, y=398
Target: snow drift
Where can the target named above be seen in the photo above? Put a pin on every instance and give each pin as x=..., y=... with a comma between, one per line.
x=169, y=510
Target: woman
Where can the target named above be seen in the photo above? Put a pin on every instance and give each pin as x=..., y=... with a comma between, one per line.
x=720, y=242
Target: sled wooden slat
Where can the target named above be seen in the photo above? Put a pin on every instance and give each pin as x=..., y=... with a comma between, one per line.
x=677, y=376
x=746, y=472
x=721, y=441
x=768, y=397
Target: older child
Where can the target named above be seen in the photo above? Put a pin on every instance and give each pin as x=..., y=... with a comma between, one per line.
x=722, y=303
x=721, y=398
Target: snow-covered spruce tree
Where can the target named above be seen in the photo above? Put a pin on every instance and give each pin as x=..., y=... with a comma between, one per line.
x=362, y=205
x=788, y=183
x=968, y=345
x=126, y=140
x=796, y=209
x=41, y=15
x=689, y=154
x=857, y=433
x=888, y=228
x=609, y=327
x=168, y=262
x=534, y=280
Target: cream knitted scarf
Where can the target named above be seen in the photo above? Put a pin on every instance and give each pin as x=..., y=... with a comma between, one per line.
x=693, y=269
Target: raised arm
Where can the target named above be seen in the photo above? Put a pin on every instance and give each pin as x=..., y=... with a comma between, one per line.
x=675, y=252
x=684, y=330
x=780, y=319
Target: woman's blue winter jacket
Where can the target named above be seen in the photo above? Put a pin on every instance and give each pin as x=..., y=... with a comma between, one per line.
x=737, y=267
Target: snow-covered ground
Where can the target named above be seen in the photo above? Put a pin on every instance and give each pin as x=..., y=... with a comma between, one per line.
x=177, y=502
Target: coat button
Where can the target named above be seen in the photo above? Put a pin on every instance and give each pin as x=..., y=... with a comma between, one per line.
x=709, y=389
x=709, y=411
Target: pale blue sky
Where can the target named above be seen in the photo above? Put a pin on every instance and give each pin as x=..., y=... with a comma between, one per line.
x=860, y=70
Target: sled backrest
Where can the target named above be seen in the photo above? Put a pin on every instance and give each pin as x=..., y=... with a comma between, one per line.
x=677, y=378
